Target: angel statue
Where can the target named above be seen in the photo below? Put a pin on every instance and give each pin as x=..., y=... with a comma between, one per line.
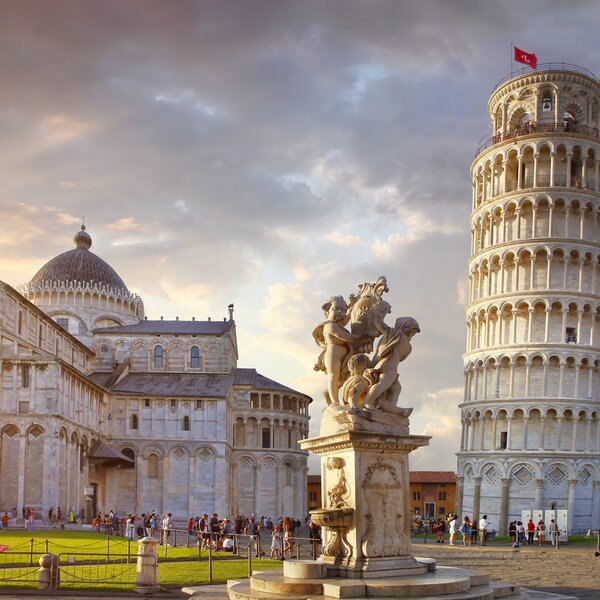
x=393, y=347
x=369, y=385
x=336, y=342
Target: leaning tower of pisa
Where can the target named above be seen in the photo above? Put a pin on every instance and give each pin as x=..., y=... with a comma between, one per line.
x=531, y=409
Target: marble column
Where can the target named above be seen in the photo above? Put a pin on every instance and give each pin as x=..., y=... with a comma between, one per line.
x=503, y=524
x=538, y=502
x=595, y=524
x=476, y=498
x=571, y=504
x=21, y=473
x=460, y=482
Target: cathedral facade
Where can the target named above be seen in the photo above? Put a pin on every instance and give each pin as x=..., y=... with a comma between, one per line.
x=101, y=408
x=531, y=409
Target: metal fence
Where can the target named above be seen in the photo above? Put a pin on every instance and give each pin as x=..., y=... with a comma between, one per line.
x=19, y=568
x=260, y=545
x=83, y=569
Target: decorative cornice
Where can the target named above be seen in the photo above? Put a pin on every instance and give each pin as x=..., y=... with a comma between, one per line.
x=364, y=440
x=536, y=78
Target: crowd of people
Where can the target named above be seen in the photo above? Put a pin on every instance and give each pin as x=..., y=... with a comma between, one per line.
x=473, y=533
x=212, y=532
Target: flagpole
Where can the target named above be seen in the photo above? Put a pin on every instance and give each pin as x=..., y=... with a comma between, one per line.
x=511, y=58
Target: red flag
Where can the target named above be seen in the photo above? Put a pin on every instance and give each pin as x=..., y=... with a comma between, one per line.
x=526, y=58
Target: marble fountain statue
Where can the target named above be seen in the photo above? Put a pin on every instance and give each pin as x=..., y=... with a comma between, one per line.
x=364, y=443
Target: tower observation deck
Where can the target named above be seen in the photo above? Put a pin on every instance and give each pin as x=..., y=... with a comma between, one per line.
x=531, y=409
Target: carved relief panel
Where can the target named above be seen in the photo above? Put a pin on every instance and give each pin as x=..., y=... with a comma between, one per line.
x=385, y=524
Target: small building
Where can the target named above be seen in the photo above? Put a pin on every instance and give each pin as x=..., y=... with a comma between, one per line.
x=432, y=493
x=313, y=492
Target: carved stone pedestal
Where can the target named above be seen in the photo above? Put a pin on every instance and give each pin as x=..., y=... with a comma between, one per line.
x=366, y=474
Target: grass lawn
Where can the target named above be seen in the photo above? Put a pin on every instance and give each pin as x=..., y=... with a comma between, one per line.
x=173, y=571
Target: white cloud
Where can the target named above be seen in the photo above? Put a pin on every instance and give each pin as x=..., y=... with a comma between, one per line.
x=340, y=237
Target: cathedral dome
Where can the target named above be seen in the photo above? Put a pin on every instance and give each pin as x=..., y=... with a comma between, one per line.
x=80, y=266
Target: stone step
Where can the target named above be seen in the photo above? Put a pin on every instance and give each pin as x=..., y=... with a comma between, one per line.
x=243, y=591
x=479, y=578
x=430, y=563
x=207, y=592
x=476, y=593
x=449, y=582
x=276, y=583
x=445, y=580
x=502, y=590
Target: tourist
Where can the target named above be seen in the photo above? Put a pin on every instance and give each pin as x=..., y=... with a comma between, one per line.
x=441, y=525
x=30, y=521
x=483, y=527
x=465, y=529
x=530, y=532
x=253, y=529
x=452, y=526
x=116, y=524
x=276, y=543
x=214, y=530
x=521, y=537
x=287, y=527
x=130, y=527
x=167, y=525
x=541, y=532
x=512, y=532
x=554, y=533
x=227, y=527
x=205, y=535
x=314, y=532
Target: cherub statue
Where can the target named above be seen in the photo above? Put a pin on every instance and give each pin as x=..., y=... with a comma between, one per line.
x=393, y=347
x=336, y=342
x=337, y=494
x=364, y=309
x=354, y=390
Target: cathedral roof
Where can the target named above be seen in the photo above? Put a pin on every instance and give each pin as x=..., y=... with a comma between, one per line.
x=171, y=327
x=207, y=385
x=252, y=378
x=103, y=451
x=81, y=266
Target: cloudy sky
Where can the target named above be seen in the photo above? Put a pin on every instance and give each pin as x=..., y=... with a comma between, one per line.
x=269, y=154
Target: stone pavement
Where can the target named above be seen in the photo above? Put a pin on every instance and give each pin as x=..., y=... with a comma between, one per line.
x=572, y=570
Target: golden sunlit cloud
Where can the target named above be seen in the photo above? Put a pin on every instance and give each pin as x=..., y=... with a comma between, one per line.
x=126, y=224
x=60, y=129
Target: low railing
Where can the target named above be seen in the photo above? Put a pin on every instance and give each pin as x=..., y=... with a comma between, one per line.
x=549, y=66
x=19, y=568
x=536, y=127
x=79, y=568
x=76, y=569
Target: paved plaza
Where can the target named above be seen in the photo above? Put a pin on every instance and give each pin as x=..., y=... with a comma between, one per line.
x=570, y=570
